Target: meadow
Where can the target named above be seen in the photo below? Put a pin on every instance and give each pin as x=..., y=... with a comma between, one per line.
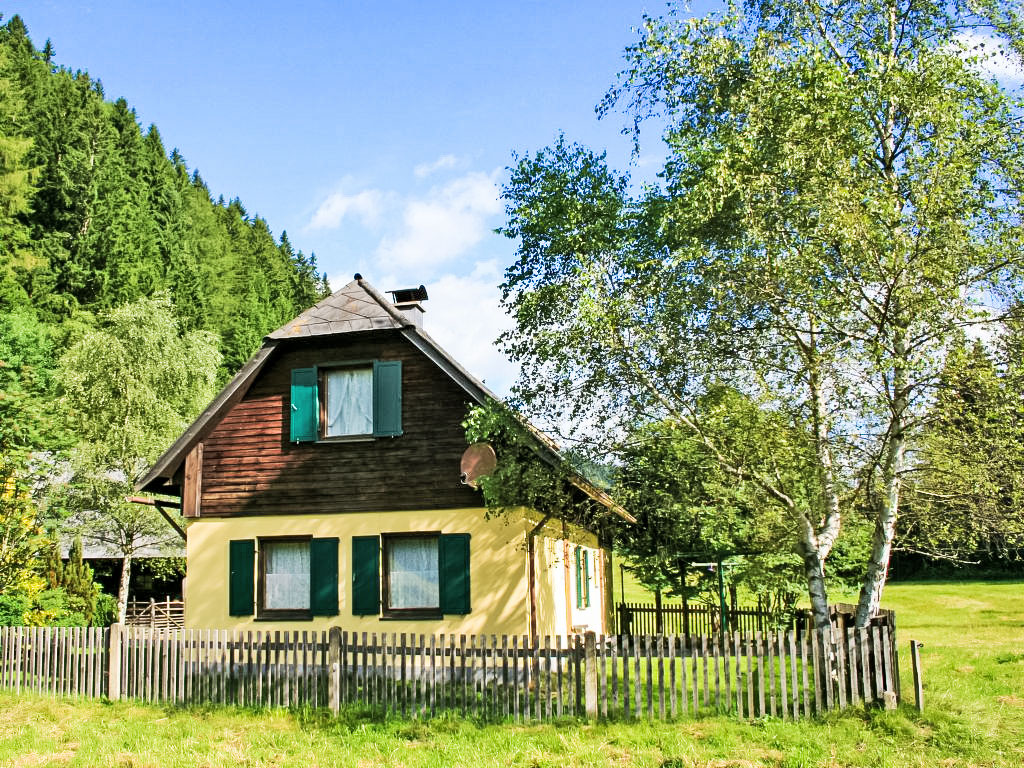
x=973, y=659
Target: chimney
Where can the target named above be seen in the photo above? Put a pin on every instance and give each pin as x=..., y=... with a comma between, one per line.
x=409, y=301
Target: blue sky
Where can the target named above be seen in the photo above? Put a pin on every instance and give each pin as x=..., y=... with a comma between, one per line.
x=376, y=133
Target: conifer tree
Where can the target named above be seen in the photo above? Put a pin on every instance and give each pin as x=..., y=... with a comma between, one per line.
x=16, y=189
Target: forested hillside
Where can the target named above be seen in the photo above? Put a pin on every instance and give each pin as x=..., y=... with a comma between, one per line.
x=127, y=294
x=95, y=213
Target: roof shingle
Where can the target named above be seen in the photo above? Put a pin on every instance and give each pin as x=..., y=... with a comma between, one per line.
x=347, y=310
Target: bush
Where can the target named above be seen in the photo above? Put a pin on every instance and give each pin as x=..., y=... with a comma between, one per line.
x=14, y=608
x=106, y=610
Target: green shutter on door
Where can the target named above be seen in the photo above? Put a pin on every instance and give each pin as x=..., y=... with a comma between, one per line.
x=323, y=577
x=453, y=557
x=387, y=398
x=305, y=407
x=365, y=575
x=241, y=580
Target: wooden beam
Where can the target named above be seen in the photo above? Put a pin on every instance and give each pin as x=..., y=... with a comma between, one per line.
x=192, y=488
x=162, y=507
x=152, y=502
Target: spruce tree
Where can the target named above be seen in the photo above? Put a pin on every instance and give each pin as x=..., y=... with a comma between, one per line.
x=16, y=189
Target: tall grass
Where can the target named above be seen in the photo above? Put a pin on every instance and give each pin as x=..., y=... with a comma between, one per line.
x=974, y=672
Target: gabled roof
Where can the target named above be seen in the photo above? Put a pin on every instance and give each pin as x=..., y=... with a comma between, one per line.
x=357, y=307
x=350, y=309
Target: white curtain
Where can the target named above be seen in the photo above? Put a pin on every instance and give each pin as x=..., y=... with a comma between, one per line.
x=287, y=579
x=349, y=402
x=412, y=573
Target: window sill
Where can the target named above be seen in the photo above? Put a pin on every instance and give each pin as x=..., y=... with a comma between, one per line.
x=285, y=616
x=346, y=439
x=413, y=616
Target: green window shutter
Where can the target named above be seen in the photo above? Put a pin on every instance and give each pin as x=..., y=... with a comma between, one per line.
x=365, y=575
x=453, y=558
x=241, y=581
x=387, y=398
x=586, y=578
x=579, y=579
x=323, y=577
x=305, y=408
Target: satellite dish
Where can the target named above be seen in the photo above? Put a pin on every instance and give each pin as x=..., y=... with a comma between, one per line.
x=479, y=460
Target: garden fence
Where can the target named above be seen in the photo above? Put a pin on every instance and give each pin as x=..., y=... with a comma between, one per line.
x=165, y=614
x=687, y=619
x=750, y=675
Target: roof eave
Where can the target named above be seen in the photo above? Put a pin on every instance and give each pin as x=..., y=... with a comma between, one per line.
x=160, y=478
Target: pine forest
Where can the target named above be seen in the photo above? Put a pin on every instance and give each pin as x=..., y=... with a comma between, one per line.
x=104, y=235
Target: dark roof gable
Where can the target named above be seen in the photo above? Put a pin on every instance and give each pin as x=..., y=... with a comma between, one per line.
x=357, y=307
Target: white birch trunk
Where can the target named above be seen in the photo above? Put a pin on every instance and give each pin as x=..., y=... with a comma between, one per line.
x=122, y=589
x=814, y=571
x=888, y=507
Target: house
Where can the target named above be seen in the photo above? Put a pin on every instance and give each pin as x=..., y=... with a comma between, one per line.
x=322, y=488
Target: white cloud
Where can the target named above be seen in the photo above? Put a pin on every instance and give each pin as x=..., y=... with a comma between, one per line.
x=464, y=314
x=442, y=163
x=444, y=225
x=365, y=205
x=995, y=59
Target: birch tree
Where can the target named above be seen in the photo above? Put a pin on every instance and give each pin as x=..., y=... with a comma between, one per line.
x=841, y=197
x=129, y=388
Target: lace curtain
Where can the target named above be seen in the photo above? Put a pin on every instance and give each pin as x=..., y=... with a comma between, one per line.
x=287, y=578
x=413, y=573
x=349, y=402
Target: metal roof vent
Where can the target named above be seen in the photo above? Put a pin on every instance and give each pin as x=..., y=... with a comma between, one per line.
x=409, y=301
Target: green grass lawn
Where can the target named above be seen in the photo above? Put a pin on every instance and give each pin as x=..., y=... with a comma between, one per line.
x=974, y=675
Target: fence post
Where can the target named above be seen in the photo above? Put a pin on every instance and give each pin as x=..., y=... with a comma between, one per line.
x=114, y=662
x=686, y=621
x=590, y=671
x=334, y=666
x=915, y=661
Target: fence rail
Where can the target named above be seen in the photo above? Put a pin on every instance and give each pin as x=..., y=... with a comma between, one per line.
x=643, y=676
x=689, y=619
x=165, y=614
x=692, y=619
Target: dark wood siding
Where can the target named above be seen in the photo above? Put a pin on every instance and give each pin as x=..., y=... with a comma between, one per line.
x=250, y=468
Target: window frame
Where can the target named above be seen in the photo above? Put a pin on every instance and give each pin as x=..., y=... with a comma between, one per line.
x=582, y=577
x=307, y=403
x=321, y=386
x=277, y=614
x=386, y=611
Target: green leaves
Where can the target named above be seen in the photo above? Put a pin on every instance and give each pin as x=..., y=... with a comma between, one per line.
x=522, y=479
x=131, y=386
x=842, y=196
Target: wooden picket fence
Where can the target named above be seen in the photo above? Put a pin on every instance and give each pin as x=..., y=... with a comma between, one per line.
x=165, y=614
x=751, y=675
x=689, y=619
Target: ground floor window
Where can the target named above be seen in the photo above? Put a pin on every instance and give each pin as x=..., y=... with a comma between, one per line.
x=411, y=574
x=285, y=574
x=582, y=578
x=283, y=577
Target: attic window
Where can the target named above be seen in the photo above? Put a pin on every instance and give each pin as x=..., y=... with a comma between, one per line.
x=347, y=402
x=338, y=401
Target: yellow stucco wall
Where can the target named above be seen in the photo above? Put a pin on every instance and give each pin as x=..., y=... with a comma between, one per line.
x=556, y=595
x=499, y=590
x=498, y=574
